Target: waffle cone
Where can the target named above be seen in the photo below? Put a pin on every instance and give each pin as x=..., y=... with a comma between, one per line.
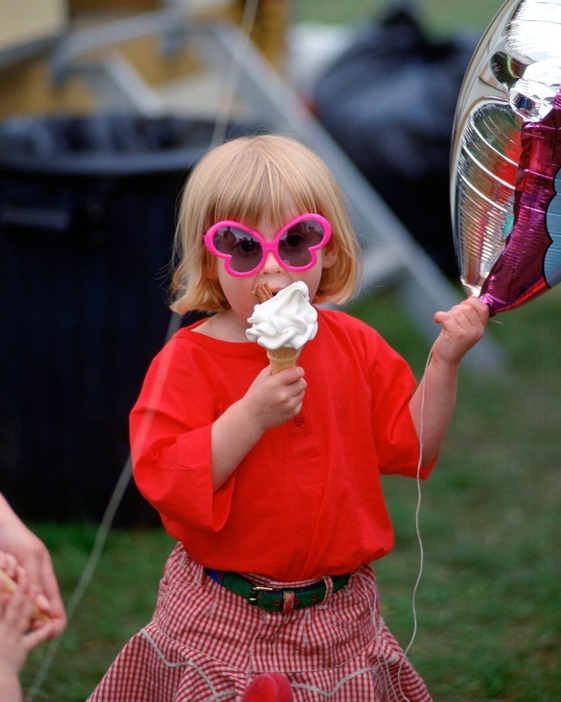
x=283, y=358
x=10, y=586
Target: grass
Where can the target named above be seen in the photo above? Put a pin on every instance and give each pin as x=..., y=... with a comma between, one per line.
x=440, y=16
x=489, y=605
x=118, y=601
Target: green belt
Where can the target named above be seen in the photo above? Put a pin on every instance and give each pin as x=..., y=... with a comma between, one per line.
x=275, y=600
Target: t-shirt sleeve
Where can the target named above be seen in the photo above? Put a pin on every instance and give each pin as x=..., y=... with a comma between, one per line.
x=171, y=445
x=397, y=443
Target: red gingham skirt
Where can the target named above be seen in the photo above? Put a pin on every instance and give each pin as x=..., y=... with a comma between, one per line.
x=205, y=644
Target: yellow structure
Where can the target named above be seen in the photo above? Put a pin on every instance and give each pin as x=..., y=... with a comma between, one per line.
x=26, y=86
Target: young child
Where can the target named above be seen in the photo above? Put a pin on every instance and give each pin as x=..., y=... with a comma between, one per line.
x=17, y=635
x=271, y=482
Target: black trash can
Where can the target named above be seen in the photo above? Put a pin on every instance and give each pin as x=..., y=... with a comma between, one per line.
x=87, y=216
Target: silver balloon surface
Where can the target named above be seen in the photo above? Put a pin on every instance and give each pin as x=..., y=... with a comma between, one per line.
x=512, y=80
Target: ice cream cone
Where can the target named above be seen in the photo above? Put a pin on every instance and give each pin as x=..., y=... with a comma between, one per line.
x=281, y=359
x=10, y=586
x=282, y=323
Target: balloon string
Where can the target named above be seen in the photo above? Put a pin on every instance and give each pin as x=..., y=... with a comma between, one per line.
x=417, y=527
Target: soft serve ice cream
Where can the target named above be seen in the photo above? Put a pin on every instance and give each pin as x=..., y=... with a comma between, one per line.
x=283, y=324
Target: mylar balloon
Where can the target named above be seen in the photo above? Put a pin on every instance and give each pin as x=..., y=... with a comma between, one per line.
x=506, y=158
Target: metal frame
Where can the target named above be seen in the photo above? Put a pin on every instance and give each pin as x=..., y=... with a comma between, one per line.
x=391, y=255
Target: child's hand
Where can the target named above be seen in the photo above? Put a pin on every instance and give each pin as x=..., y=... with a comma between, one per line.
x=270, y=401
x=17, y=635
x=275, y=399
x=15, y=618
x=13, y=578
x=462, y=327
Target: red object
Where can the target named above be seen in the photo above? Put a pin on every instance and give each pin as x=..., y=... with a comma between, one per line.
x=203, y=640
x=315, y=480
x=268, y=687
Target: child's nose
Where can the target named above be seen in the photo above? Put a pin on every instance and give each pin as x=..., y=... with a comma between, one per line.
x=271, y=264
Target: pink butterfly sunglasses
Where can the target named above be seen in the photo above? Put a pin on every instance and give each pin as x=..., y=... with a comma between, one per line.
x=245, y=250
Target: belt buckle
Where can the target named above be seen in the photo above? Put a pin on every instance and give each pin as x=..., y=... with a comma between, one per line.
x=254, y=591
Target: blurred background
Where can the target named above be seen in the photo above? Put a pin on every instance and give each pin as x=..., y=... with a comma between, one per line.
x=106, y=106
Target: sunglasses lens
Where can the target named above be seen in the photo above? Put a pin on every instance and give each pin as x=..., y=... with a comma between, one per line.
x=296, y=242
x=241, y=247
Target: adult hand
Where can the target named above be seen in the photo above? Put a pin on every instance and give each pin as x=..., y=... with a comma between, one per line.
x=36, y=575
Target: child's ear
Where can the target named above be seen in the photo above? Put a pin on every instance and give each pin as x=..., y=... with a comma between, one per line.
x=330, y=254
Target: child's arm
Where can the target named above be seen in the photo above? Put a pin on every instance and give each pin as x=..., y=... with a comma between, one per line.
x=270, y=401
x=16, y=639
x=433, y=403
x=15, y=615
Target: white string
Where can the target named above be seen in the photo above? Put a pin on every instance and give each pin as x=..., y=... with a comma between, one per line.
x=418, y=525
x=247, y=23
x=374, y=604
x=85, y=578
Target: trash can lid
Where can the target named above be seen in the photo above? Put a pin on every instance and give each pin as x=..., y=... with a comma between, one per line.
x=105, y=144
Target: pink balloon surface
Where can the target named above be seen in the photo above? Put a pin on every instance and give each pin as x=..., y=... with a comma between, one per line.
x=530, y=263
x=506, y=158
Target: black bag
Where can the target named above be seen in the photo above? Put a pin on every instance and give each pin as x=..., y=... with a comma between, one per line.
x=389, y=101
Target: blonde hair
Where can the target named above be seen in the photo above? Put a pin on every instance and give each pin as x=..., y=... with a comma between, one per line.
x=241, y=180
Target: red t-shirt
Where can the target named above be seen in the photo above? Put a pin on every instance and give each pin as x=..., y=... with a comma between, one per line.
x=307, y=500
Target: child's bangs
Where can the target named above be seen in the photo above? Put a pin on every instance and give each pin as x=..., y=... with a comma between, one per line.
x=264, y=189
